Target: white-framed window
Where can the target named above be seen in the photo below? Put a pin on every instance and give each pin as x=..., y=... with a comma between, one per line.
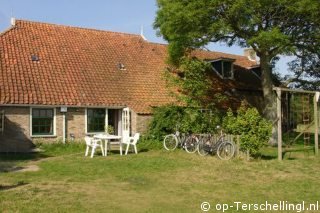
x=224, y=68
x=96, y=119
x=42, y=122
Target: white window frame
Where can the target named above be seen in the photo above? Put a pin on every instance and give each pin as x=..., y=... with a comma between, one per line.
x=86, y=120
x=222, y=66
x=54, y=122
x=126, y=121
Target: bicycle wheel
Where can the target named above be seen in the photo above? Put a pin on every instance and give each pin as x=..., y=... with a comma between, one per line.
x=191, y=144
x=183, y=138
x=170, y=142
x=204, y=147
x=225, y=150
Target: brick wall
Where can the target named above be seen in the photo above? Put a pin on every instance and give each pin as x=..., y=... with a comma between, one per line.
x=140, y=122
x=76, y=122
x=133, y=120
x=16, y=136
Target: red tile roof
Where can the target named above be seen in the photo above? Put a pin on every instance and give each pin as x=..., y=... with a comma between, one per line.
x=79, y=67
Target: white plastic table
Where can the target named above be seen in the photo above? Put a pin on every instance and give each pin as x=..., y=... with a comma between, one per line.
x=106, y=138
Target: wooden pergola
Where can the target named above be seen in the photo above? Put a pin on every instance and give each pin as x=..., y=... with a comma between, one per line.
x=315, y=94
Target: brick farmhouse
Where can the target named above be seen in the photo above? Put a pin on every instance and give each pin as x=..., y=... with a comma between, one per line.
x=60, y=82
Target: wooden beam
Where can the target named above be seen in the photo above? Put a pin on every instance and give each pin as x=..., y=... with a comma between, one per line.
x=293, y=90
x=303, y=131
x=316, y=130
x=279, y=124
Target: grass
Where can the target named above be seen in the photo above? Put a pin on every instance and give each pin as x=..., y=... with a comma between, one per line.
x=152, y=181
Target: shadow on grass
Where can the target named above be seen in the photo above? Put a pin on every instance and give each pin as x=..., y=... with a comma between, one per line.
x=144, y=150
x=22, y=156
x=7, y=187
x=267, y=157
x=288, y=153
x=291, y=158
x=117, y=152
x=9, y=161
x=130, y=152
x=285, y=156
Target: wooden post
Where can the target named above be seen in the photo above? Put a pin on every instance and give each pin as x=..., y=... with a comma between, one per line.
x=316, y=132
x=238, y=145
x=64, y=127
x=279, y=124
x=2, y=121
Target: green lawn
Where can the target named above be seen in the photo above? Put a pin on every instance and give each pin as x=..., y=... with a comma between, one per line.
x=152, y=181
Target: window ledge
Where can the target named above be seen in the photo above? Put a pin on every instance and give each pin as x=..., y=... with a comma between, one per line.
x=43, y=136
x=94, y=133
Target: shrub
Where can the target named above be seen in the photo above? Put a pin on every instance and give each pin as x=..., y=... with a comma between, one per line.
x=253, y=129
x=146, y=143
x=170, y=118
x=109, y=129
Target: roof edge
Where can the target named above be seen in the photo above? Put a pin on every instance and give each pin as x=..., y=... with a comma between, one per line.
x=7, y=30
x=22, y=21
x=145, y=112
x=204, y=50
x=63, y=105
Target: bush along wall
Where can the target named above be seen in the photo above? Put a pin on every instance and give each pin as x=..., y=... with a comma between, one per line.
x=170, y=118
x=253, y=129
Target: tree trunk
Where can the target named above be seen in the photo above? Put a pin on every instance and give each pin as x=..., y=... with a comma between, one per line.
x=268, y=94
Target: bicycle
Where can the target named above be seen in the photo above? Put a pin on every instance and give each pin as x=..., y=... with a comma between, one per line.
x=188, y=143
x=224, y=149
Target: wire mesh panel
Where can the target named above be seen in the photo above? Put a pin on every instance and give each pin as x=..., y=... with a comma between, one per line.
x=297, y=116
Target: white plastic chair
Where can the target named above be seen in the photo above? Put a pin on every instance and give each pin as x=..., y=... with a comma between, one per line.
x=93, y=144
x=132, y=141
x=116, y=142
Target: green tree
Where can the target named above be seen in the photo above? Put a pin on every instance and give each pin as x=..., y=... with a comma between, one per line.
x=306, y=66
x=195, y=86
x=306, y=70
x=271, y=28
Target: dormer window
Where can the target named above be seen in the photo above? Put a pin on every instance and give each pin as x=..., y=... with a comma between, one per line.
x=121, y=66
x=34, y=58
x=223, y=67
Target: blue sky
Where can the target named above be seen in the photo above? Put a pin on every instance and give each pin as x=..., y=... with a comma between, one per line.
x=114, y=15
